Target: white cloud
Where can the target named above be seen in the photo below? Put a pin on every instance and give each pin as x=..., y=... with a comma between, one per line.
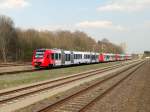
x=82, y=26
x=94, y=24
x=51, y=27
x=10, y=4
x=99, y=24
x=125, y=5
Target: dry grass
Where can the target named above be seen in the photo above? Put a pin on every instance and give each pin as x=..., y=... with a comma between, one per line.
x=7, y=81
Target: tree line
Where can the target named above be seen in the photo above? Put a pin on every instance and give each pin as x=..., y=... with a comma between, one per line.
x=17, y=44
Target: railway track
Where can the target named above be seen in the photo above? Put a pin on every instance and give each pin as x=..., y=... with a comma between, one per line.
x=13, y=68
x=12, y=64
x=21, y=71
x=8, y=70
x=16, y=94
x=87, y=97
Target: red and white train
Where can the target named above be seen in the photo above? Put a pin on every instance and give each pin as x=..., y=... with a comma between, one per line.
x=59, y=57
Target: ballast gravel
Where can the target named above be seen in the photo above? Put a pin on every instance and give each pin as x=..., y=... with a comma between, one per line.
x=133, y=95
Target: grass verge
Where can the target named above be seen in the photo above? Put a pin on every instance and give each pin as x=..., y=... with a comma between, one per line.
x=7, y=81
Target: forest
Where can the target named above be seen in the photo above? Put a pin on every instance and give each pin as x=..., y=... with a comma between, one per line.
x=17, y=45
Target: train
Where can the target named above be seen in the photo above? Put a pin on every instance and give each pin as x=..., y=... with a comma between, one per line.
x=58, y=57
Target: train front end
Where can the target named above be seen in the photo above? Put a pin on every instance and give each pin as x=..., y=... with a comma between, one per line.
x=41, y=58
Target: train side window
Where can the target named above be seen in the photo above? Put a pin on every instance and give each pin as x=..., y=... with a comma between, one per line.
x=59, y=56
x=69, y=57
x=94, y=57
x=56, y=56
x=52, y=56
x=80, y=56
x=66, y=57
x=84, y=56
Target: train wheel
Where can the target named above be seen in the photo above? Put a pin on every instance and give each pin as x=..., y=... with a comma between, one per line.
x=50, y=66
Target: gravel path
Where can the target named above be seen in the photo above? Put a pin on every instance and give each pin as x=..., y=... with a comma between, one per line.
x=133, y=95
x=15, y=68
x=63, y=95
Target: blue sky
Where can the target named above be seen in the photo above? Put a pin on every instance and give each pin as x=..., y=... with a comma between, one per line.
x=120, y=21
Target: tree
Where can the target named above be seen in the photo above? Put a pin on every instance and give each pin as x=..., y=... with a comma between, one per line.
x=7, y=37
x=105, y=40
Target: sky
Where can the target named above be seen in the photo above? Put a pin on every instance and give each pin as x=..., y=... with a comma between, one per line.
x=120, y=21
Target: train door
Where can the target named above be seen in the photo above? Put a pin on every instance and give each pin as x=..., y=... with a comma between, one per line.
x=90, y=57
x=95, y=57
x=72, y=57
x=62, y=57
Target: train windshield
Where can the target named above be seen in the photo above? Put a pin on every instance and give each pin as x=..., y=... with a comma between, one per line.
x=39, y=53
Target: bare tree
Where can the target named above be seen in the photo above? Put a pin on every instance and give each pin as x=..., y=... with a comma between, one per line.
x=6, y=31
